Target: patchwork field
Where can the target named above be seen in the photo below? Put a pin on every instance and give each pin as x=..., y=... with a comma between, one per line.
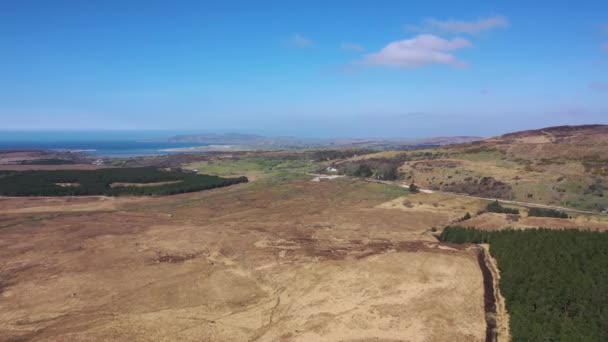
x=276, y=259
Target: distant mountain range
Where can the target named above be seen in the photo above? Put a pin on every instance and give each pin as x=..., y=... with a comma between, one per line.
x=258, y=141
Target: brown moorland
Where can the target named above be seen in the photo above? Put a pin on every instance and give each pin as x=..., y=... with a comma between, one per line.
x=289, y=260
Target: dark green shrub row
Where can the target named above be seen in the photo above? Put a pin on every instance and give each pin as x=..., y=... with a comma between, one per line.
x=542, y=212
x=495, y=207
x=555, y=282
x=51, y=161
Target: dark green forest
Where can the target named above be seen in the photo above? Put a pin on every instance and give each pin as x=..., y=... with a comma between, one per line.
x=97, y=182
x=555, y=282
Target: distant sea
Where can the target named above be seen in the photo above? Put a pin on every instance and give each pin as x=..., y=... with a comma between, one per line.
x=110, y=144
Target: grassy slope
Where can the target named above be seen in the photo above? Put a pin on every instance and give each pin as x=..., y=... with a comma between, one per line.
x=552, y=166
x=255, y=167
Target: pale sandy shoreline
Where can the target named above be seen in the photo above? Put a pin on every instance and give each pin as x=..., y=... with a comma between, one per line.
x=209, y=148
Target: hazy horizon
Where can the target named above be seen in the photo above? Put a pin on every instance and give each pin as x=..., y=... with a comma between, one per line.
x=147, y=134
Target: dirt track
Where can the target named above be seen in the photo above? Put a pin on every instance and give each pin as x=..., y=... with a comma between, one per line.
x=295, y=261
x=500, y=318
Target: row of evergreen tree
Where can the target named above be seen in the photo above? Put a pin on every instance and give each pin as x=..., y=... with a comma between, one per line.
x=495, y=207
x=98, y=182
x=542, y=212
x=555, y=282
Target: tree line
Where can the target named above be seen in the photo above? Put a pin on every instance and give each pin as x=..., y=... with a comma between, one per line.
x=379, y=168
x=495, y=207
x=98, y=182
x=543, y=212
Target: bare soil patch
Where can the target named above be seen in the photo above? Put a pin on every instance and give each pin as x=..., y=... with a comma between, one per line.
x=447, y=206
x=67, y=184
x=139, y=185
x=500, y=318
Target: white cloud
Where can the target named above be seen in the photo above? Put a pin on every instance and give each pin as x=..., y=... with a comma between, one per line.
x=461, y=26
x=351, y=47
x=299, y=41
x=417, y=52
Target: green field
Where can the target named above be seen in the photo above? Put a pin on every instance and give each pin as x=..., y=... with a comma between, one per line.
x=255, y=166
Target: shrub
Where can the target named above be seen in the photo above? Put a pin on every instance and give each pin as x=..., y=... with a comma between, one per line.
x=466, y=216
x=414, y=188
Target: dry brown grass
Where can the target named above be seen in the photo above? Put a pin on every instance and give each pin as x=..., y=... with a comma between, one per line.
x=493, y=221
x=291, y=261
x=444, y=208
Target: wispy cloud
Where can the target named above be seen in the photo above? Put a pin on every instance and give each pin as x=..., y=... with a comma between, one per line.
x=461, y=26
x=417, y=52
x=604, y=47
x=351, y=47
x=300, y=41
x=600, y=86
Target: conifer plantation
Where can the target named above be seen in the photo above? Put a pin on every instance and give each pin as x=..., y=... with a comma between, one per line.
x=555, y=282
x=99, y=182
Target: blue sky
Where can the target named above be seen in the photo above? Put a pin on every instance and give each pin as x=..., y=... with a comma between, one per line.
x=315, y=68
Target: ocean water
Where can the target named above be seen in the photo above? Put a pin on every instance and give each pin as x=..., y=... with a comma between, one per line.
x=111, y=144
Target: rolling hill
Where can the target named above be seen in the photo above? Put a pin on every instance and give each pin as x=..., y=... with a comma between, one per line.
x=565, y=166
